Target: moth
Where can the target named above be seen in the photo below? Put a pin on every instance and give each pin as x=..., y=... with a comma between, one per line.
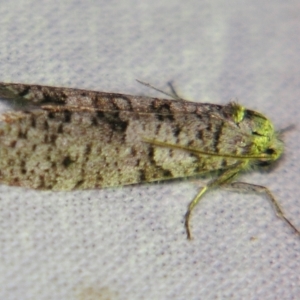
x=63, y=139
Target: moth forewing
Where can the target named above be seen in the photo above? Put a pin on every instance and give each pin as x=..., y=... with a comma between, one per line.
x=64, y=139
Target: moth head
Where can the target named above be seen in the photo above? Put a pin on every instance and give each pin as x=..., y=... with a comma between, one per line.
x=259, y=132
x=265, y=139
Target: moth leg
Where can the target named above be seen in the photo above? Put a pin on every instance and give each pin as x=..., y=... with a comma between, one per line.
x=253, y=188
x=191, y=206
x=224, y=178
x=173, y=95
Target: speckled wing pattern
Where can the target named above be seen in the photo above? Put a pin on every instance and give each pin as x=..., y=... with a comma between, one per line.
x=62, y=138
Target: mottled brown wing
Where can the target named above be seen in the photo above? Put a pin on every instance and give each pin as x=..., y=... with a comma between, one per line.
x=67, y=138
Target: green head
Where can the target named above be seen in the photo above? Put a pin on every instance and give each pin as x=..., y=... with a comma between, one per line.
x=265, y=142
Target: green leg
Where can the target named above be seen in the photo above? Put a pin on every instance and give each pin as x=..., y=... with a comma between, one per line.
x=221, y=180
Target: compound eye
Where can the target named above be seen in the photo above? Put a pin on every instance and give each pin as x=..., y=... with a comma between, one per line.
x=270, y=151
x=256, y=133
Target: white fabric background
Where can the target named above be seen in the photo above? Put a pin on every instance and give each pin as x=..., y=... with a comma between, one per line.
x=130, y=243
